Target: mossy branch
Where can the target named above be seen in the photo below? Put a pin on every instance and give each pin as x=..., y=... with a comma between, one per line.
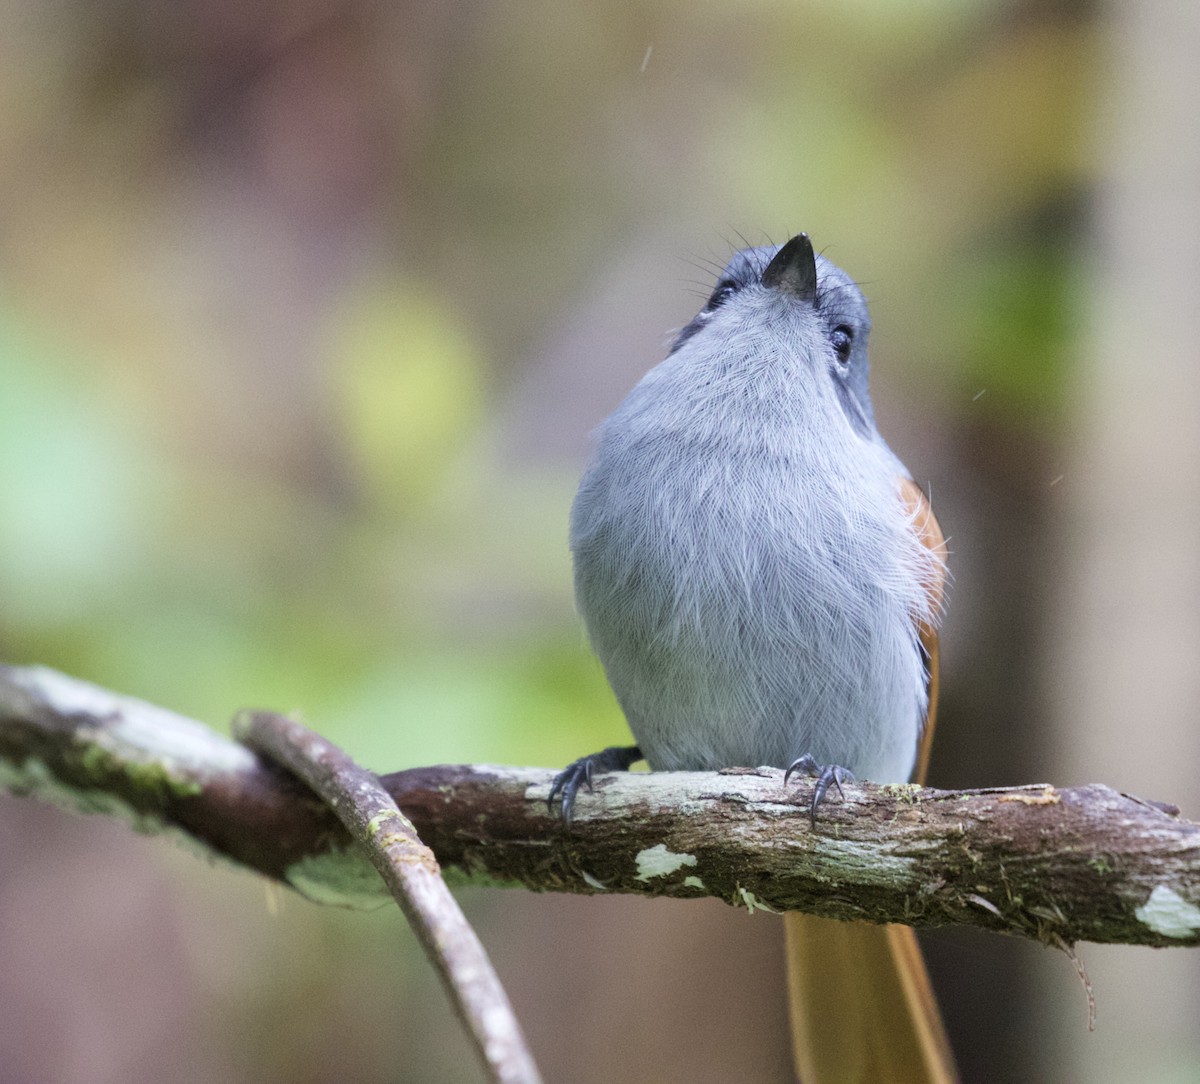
x=1055, y=864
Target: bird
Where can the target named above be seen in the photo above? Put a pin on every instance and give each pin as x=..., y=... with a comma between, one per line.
x=763, y=582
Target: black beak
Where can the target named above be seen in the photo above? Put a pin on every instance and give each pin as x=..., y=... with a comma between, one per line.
x=794, y=269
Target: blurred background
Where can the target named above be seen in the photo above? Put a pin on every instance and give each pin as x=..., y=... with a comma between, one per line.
x=306, y=312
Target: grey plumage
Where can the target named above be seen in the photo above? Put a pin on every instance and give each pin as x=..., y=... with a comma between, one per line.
x=747, y=571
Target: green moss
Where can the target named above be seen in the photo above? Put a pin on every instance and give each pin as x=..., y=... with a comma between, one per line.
x=377, y=822
x=903, y=792
x=341, y=878
x=456, y=877
x=151, y=781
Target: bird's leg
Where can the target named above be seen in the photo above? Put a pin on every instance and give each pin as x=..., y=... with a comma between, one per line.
x=616, y=758
x=826, y=774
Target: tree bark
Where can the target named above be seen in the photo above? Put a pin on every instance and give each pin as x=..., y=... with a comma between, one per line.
x=1057, y=865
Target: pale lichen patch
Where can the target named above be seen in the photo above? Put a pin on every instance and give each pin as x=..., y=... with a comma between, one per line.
x=657, y=861
x=753, y=903
x=1168, y=913
x=1049, y=796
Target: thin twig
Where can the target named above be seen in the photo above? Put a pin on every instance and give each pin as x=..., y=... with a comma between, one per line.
x=414, y=879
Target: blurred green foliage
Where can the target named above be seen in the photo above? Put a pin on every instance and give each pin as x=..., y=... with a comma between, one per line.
x=378, y=616
x=406, y=383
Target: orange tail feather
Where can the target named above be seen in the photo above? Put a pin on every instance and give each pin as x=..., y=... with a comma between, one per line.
x=862, y=1010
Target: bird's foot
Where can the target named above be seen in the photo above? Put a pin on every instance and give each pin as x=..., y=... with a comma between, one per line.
x=826, y=775
x=616, y=758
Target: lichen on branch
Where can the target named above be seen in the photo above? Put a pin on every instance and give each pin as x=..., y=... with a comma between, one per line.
x=1055, y=864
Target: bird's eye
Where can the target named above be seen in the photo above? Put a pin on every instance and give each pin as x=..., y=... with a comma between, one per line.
x=842, y=339
x=726, y=288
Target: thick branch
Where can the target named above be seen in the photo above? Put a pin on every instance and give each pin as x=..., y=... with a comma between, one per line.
x=1085, y=863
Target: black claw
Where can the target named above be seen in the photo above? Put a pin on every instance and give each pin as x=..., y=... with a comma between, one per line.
x=804, y=764
x=568, y=782
x=826, y=774
x=616, y=758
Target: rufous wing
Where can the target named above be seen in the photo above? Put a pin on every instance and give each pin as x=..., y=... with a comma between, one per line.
x=930, y=534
